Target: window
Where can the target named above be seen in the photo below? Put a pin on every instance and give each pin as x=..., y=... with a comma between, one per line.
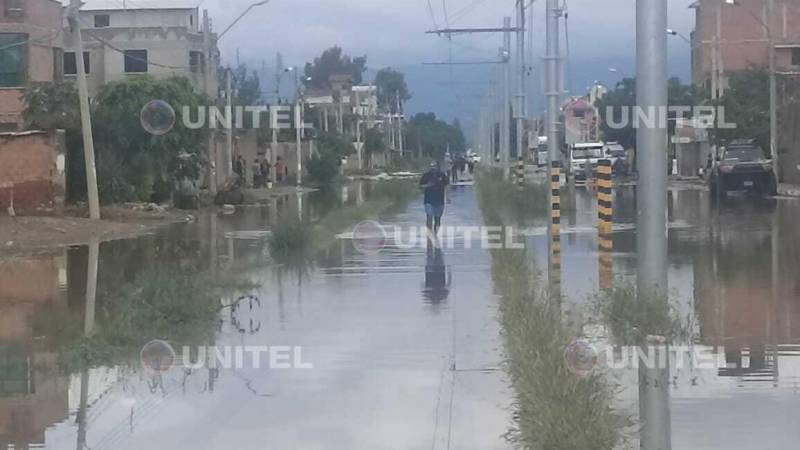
x=13, y=55
x=196, y=61
x=102, y=21
x=71, y=63
x=796, y=56
x=135, y=61
x=13, y=9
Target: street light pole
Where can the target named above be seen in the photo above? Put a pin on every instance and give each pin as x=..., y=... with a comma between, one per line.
x=241, y=16
x=551, y=86
x=505, y=133
x=651, y=223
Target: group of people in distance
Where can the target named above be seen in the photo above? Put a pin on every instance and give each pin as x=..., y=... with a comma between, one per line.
x=261, y=171
x=456, y=167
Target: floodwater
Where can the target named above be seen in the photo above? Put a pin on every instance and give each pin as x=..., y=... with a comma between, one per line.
x=399, y=349
x=395, y=350
x=733, y=268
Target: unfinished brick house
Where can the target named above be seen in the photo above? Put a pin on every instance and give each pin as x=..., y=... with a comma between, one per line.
x=31, y=38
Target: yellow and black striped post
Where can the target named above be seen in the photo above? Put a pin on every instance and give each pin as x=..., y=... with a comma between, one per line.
x=605, y=210
x=519, y=172
x=555, y=228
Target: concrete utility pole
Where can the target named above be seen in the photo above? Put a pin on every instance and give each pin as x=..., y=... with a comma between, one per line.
x=86, y=117
x=505, y=132
x=228, y=160
x=773, y=91
x=298, y=124
x=715, y=53
x=520, y=103
x=552, y=93
x=208, y=63
x=651, y=223
x=399, y=124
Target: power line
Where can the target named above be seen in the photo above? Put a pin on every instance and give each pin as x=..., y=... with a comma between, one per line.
x=468, y=9
x=50, y=38
x=433, y=15
x=129, y=56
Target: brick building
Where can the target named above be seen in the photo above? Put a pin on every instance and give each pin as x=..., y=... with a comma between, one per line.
x=30, y=49
x=32, y=170
x=732, y=37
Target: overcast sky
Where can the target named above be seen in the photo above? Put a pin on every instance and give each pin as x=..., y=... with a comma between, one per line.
x=391, y=33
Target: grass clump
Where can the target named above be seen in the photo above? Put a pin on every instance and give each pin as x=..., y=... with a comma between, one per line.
x=177, y=305
x=554, y=408
x=511, y=204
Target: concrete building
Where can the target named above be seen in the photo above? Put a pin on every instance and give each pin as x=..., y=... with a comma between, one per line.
x=30, y=46
x=729, y=38
x=160, y=38
x=580, y=121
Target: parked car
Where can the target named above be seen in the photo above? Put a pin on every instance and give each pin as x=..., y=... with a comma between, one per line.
x=742, y=166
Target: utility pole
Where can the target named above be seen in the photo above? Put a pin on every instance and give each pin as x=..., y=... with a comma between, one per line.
x=298, y=124
x=651, y=223
x=552, y=92
x=520, y=106
x=773, y=91
x=86, y=117
x=502, y=94
x=399, y=124
x=715, y=53
x=228, y=160
x=208, y=63
x=505, y=132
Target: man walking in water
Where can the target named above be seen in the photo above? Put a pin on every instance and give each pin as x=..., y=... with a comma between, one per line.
x=434, y=182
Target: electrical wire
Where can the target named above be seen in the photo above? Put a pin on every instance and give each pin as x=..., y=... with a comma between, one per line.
x=433, y=15
x=468, y=9
x=50, y=38
x=127, y=55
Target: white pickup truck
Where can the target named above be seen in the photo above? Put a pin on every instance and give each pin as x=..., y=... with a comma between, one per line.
x=583, y=159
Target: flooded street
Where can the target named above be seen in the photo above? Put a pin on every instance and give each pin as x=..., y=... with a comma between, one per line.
x=396, y=349
x=733, y=288
x=404, y=346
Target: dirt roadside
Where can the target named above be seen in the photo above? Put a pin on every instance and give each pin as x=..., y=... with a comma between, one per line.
x=28, y=235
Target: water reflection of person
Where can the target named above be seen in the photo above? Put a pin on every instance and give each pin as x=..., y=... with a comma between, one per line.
x=437, y=277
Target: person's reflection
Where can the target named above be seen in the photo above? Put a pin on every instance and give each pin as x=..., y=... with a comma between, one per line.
x=437, y=277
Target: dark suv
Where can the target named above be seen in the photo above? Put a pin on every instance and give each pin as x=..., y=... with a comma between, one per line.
x=742, y=166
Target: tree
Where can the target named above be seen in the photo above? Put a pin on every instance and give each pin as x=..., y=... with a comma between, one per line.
x=132, y=163
x=391, y=84
x=746, y=104
x=620, y=103
x=374, y=142
x=323, y=167
x=433, y=137
x=333, y=61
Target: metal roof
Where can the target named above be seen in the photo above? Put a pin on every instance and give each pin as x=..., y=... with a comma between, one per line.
x=114, y=5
